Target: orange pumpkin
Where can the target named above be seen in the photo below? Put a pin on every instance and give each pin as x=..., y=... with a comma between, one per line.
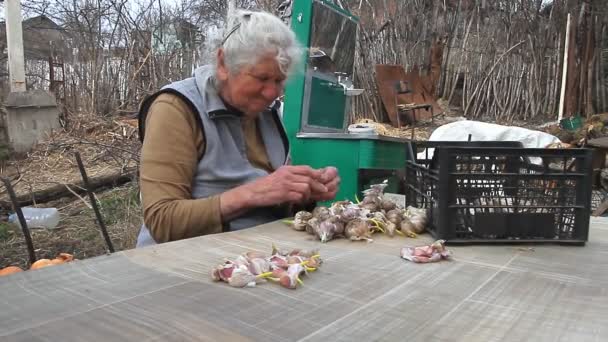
x=10, y=270
x=41, y=263
x=57, y=261
x=65, y=257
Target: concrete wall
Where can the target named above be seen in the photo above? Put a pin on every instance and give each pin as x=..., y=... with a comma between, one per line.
x=4, y=147
x=30, y=116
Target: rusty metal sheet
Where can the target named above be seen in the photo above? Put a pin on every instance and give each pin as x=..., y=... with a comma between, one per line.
x=421, y=89
x=386, y=78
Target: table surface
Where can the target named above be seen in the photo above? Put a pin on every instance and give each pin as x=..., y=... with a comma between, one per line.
x=364, y=291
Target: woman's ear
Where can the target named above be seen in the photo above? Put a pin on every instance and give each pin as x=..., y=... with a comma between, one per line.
x=222, y=70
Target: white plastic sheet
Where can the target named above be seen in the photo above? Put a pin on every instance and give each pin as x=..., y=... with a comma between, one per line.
x=483, y=131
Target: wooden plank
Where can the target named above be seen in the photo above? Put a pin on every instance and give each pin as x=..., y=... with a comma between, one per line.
x=364, y=291
x=598, y=142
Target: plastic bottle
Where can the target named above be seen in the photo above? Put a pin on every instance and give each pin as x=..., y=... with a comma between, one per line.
x=38, y=217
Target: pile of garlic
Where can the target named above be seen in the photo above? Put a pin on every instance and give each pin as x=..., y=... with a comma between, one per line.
x=358, y=221
x=283, y=267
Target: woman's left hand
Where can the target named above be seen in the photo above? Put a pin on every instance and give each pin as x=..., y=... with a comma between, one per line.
x=330, y=178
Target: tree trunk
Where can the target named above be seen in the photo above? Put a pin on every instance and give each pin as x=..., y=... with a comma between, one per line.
x=61, y=190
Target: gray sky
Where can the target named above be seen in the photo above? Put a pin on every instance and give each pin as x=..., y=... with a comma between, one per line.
x=168, y=2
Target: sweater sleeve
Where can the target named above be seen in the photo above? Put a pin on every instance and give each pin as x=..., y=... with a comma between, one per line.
x=169, y=158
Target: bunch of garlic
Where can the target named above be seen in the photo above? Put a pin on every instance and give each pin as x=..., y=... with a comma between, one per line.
x=251, y=268
x=360, y=221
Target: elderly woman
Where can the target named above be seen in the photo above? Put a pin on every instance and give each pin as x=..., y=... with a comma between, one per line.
x=215, y=154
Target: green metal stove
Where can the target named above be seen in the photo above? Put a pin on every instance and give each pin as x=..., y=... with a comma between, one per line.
x=318, y=100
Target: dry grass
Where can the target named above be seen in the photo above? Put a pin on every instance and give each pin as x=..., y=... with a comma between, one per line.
x=422, y=130
x=106, y=147
x=78, y=232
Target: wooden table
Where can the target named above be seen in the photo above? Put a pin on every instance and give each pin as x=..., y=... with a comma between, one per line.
x=363, y=292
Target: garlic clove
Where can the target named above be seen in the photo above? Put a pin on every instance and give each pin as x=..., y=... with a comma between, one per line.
x=390, y=228
x=279, y=261
x=312, y=225
x=225, y=271
x=215, y=274
x=259, y=266
x=241, y=277
x=307, y=253
x=255, y=255
x=294, y=259
x=388, y=205
x=321, y=213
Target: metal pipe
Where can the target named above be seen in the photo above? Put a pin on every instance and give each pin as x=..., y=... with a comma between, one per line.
x=85, y=181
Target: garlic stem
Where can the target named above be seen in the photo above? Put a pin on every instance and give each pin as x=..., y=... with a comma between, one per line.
x=264, y=275
x=377, y=225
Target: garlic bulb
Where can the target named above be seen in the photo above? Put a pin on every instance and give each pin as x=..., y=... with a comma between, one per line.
x=241, y=277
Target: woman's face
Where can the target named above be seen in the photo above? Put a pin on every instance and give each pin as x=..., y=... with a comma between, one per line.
x=254, y=87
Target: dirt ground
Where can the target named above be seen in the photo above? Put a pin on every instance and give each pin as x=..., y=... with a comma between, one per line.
x=107, y=147
x=78, y=232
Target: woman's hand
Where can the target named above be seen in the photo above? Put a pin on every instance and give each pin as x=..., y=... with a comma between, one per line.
x=287, y=184
x=329, y=177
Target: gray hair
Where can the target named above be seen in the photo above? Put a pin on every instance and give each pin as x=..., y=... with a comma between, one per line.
x=252, y=35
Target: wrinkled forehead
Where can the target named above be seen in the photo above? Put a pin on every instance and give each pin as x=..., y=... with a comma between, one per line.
x=267, y=66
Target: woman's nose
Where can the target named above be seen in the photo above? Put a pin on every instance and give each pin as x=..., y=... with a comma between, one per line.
x=271, y=91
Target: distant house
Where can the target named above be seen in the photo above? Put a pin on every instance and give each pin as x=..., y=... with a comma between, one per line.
x=42, y=38
x=178, y=34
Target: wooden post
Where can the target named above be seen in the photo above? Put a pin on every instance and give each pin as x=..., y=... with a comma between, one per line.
x=14, y=40
x=564, y=72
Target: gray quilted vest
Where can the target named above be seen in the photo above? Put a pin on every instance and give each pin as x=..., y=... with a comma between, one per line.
x=224, y=164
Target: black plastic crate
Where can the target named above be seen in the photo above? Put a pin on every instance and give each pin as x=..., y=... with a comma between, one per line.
x=503, y=194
